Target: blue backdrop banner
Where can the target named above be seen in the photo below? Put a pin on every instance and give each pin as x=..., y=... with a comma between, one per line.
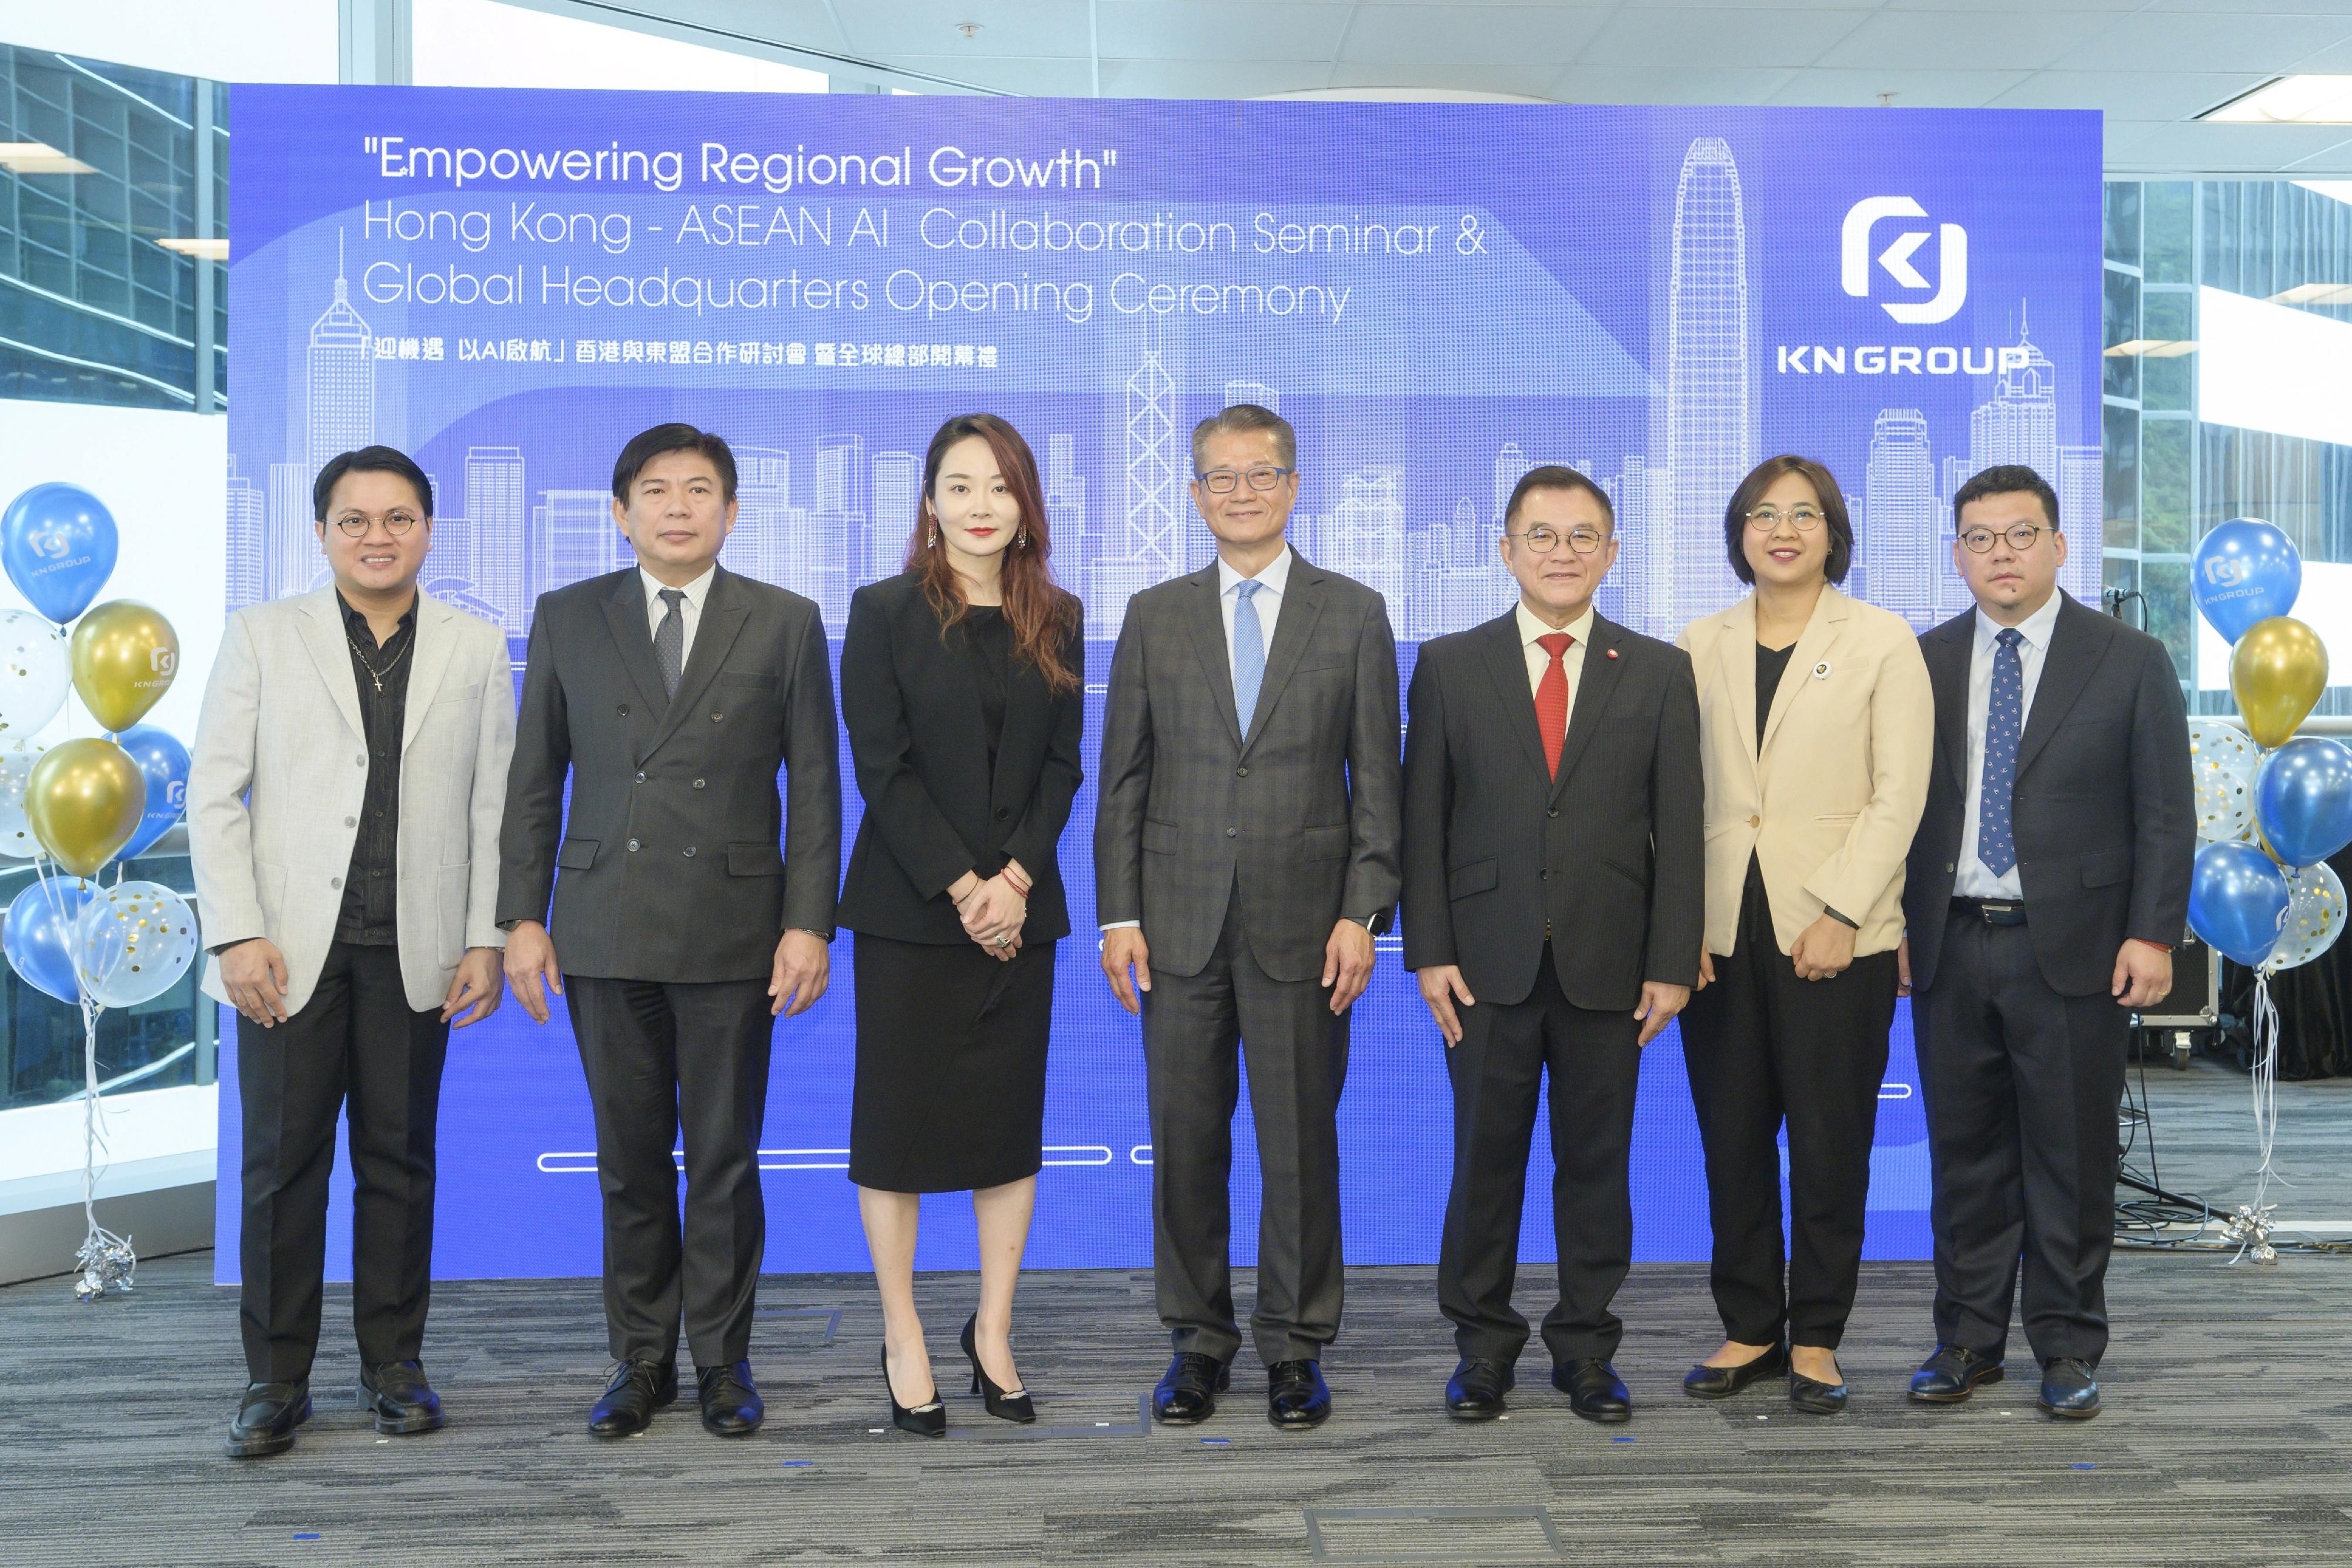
x=509, y=285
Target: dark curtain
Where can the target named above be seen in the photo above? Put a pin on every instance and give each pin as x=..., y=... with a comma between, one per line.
x=2314, y=1001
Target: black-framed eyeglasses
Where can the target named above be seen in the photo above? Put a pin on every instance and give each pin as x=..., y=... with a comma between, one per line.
x=1805, y=520
x=1543, y=538
x=355, y=525
x=2021, y=536
x=1224, y=481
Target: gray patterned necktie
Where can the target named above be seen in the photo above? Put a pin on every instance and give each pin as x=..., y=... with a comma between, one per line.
x=669, y=641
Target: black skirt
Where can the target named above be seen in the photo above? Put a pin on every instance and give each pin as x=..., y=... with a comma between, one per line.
x=951, y=1087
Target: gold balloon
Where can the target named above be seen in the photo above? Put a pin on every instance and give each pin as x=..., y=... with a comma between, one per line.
x=124, y=656
x=2277, y=671
x=83, y=802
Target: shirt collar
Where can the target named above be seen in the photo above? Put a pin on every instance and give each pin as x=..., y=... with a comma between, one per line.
x=696, y=591
x=354, y=619
x=2035, y=628
x=1531, y=626
x=1273, y=580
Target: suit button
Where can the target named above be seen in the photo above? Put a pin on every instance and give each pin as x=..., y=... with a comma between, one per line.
x=624, y=710
x=1950, y=866
x=1553, y=812
x=335, y=881
x=1543, y=876
x=1002, y=813
x=633, y=846
x=1755, y=821
x=360, y=761
x=1240, y=772
x=641, y=777
x=697, y=783
x=717, y=717
x=351, y=821
x=690, y=851
x=1232, y=832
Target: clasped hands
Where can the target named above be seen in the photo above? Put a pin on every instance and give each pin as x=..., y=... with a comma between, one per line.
x=993, y=909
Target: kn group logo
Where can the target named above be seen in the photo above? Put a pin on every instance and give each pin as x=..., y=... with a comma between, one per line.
x=1950, y=288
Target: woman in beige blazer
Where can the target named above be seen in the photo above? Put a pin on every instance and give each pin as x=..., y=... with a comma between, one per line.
x=1816, y=731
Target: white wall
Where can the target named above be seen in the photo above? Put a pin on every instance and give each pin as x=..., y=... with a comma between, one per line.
x=226, y=40
x=163, y=477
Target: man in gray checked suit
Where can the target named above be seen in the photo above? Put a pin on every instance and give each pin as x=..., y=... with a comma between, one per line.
x=1245, y=852
x=670, y=693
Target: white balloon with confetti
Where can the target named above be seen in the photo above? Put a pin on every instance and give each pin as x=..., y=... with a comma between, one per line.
x=133, y=941
x=17, y=754
x=2316, y=916
x=2223, y=761
x=35, y=672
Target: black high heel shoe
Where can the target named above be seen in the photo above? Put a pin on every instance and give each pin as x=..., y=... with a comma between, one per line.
x=924, y=1420
x=1005, y=1406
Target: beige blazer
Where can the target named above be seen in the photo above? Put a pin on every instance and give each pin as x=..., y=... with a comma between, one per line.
x=280, y=768
x=1830, y=807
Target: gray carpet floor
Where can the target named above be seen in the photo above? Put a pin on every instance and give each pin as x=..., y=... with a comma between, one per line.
x=2227, y=1437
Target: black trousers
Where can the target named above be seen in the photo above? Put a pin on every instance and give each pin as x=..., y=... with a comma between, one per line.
x=664, y=1059
x=1764, y=1047
x=355, y=1044
x=2023, y=1088
x=1297, y=1054
x=1498, y=1072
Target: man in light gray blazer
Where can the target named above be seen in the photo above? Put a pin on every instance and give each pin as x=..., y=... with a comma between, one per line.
x=343, y=804
x=1245, y=852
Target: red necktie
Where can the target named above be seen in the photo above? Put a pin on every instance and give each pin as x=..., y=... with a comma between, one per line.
x=1551, y=698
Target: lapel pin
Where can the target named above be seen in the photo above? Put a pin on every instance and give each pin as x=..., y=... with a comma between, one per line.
x=1821, y=670
x=1610, y=651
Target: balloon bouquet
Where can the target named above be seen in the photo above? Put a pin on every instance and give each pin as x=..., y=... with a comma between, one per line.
x=2271, y=807
x=73, y=807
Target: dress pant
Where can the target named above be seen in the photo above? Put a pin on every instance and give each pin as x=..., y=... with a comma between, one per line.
x=1763, y=1048
x=1497, y=1069
x=2023, y=1088
x=662, y=1059
x=1297, y=1055
x=355, y=1044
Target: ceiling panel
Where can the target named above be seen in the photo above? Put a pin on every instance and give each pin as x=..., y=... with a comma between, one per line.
x=2027, y=40
x=1644, y=84
x=1719, y=37
x=1909, y=90
x=2159, y=43
x=1220, y=30
x=1489, y=35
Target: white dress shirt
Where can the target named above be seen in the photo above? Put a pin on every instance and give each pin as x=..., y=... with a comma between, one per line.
x=1973, y=879
x=1539, y=661
x=690, y=609
x=1267, y=603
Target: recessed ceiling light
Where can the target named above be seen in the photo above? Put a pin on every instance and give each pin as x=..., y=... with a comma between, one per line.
x=202, y=249
x=40, y=158
x=967, y=28
x=2307, y=99
x=2315, y=294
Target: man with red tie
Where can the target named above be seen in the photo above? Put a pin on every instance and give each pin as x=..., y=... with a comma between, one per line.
x=1554, y=889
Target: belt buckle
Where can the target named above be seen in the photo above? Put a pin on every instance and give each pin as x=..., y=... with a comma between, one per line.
x=1999, y=913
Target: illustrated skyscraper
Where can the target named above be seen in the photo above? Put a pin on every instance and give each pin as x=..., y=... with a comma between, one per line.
x=2020, y=425
x=494, y=505
x=897, y=490
x=1065, y=511
x=1150, y=542
x=1511, y=466
x=761, y=544
x=572, y=538
x=339, y=381
x=1899, y=543
x=248, y=526
x=1711, y=421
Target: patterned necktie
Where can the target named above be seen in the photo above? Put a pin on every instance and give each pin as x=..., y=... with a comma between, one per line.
x=669, y=641
x=2004, y=719
x=1249, y=654
x=1551, y=698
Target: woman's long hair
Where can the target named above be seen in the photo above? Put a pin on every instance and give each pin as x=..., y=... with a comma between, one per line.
x=1040, y=613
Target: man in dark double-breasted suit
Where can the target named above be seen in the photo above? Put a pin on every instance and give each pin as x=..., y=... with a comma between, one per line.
x=669, y=695
x=1245, y=852
x=1554, y=895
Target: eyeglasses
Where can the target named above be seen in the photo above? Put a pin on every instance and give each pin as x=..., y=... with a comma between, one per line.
x=355, y=525
x=2020, y=537
x=1805, y=520
x=1224, y=481
x=1543, y=538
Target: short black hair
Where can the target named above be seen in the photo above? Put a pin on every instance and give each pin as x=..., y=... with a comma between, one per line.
x=676, y=436
x=367, y=460
x=1759, y=479
x=2007, y=479
x=1557, y=476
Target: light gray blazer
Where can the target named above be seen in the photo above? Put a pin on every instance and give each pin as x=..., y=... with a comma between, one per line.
x=279, y=768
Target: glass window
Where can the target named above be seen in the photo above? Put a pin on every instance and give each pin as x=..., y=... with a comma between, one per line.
x=2166, y=250
x=2122, y=221
x=2119, y=481
x=2167, y=381
x=2120, y=324
x=2163, y=485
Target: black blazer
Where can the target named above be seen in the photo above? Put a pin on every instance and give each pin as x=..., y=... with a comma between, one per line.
x=1610, y=854
x=932, y=813
x=2103, y=806
x=670, y=865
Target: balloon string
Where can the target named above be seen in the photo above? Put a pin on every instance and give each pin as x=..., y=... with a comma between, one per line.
x=2264, y=1082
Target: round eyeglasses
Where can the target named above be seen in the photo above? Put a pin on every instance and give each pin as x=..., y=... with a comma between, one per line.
x=1543, y=538
x=355, y=525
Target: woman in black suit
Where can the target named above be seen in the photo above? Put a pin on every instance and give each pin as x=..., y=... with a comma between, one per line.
x=962, y=683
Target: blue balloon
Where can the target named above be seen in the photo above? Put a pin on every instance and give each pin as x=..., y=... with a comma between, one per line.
x=2237, y=901
x=165, y=761
x=2244, y=572
x=40, y=934
x=58, y=542
x=2303, y=798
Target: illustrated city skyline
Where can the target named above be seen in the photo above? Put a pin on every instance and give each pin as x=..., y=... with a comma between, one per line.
x=498, y=544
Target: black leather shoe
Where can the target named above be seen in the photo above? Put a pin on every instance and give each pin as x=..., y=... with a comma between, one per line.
x=1593, y=1390
x=1813, y=1397
x=638, y=1389
x=267, y=1418
x=1474, y=1392
x=2069, y=1388
x=1295, y=1397
x=1952, y=1374
x=929, y=1420
x=1006, y=1405
x=730, y=1400
x=1704, y=1382
x=1188, y=1390
x=396, y=1394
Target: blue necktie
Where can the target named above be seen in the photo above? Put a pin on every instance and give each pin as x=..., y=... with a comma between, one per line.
x=2004, y=719
x=1249, y=654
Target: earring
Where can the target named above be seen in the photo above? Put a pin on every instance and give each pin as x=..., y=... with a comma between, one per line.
x=1021, y=536
x=931, y=540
